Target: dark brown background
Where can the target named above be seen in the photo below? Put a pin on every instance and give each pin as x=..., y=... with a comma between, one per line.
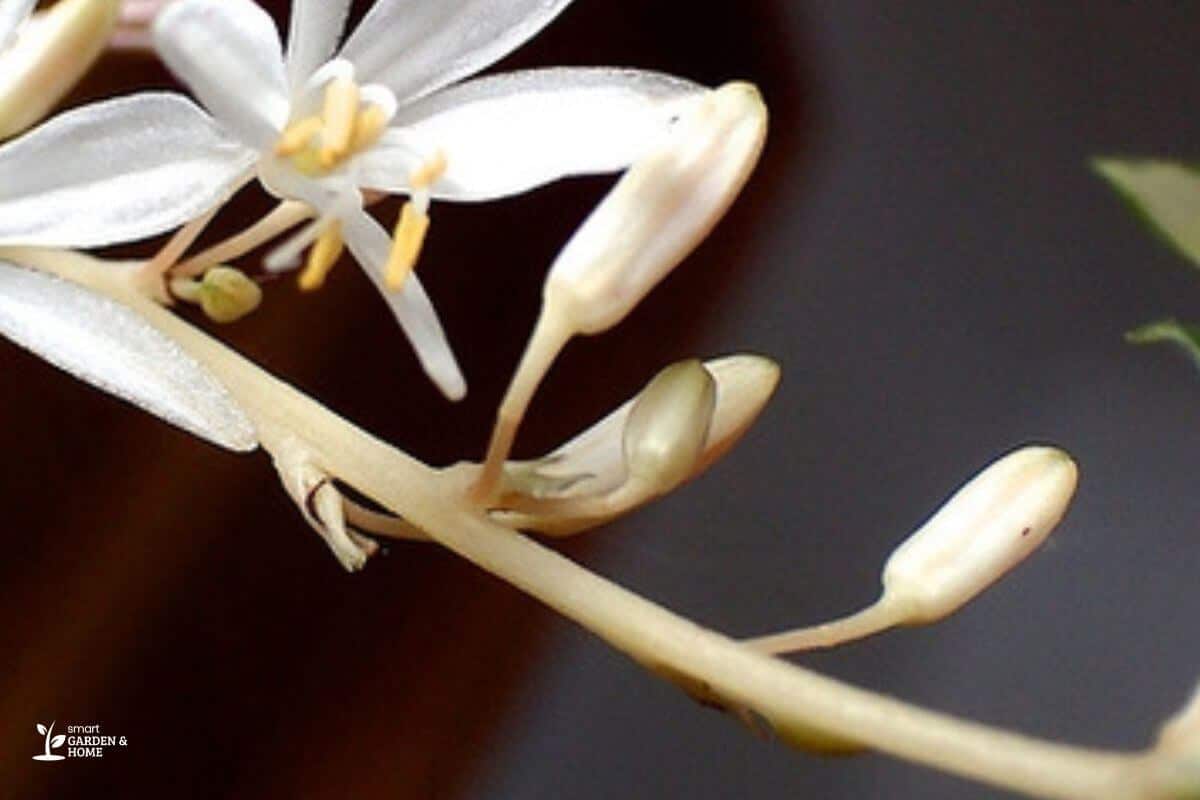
x=924, y=252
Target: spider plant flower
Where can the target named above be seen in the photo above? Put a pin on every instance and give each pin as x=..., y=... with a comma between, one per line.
x=382, y=114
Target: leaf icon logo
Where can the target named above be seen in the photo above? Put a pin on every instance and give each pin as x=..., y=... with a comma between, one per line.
x=51, y=742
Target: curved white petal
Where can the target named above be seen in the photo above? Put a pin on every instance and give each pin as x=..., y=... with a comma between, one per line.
x=313, y=34
x=105, y=344
x=116, y=171
x=12, y=14
x=509, y=133
x=370, y=245
x=416, y=46
x=228, y=53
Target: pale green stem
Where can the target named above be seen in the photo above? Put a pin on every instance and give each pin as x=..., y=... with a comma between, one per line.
x=868, y=622
x=550, y=336
x=802, y=707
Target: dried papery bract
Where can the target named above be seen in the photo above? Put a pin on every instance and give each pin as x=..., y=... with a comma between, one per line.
x=984, y=530
x=659, y=211
x=50, y=54
x=679, y=424
x=321, y=504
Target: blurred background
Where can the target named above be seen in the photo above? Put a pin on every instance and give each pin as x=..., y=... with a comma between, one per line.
x=923, y=250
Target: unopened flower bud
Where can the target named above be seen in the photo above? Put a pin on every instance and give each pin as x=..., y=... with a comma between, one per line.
x=668, y=425
x=225, y=293
x=982, y=532
x=51, y=53
x=660, y=209
x=588, y=480
x=988, y=526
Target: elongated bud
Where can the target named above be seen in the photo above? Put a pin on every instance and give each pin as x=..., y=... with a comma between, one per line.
x=988, y=526
x=668, y=425
x=659, y=210
x=50, y=55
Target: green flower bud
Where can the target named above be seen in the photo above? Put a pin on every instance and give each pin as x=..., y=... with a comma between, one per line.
x=227, y=295
x=668, y=425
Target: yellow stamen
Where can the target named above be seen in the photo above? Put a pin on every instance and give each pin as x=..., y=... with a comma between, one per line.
x=298, y=136
x=340, y=114
x=321, y=257
x=406, y=249
x=369, y=126
x=424, y=176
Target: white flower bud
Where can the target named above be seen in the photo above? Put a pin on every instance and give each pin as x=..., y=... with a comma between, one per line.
x=660, y=210
x=988, y=526
x=51, y=53
x=668, y=425
x=982, y=532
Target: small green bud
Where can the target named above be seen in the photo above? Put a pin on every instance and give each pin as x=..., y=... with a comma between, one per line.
x=668, y=425
x=225, y=294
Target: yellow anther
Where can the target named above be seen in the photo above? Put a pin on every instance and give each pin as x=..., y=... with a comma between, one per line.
x=369, y=126
x=406, y=248
x=321, y=257
x=340, y=114
x=298, y=136
x=424, y=175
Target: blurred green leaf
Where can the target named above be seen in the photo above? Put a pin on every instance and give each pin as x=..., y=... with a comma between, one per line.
x=1169, y=330
x=1166, y=194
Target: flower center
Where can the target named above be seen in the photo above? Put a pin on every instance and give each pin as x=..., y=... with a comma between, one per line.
x=351, y=121
x=346, y=126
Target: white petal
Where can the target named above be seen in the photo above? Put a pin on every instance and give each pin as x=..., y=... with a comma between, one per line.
x=416, y=46
x=12, y=14
x=509, y=133
x=116, y=171
x=316, y=26
x=370, y=245
x=104, y=343
x=228, y=53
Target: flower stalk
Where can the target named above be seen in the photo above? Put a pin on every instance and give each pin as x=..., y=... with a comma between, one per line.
x=804, y=709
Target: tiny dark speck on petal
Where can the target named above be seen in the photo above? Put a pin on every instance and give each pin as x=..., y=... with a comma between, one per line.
x=1025, y=532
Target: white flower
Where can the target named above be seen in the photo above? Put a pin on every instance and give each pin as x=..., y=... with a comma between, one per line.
x=382, y=115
